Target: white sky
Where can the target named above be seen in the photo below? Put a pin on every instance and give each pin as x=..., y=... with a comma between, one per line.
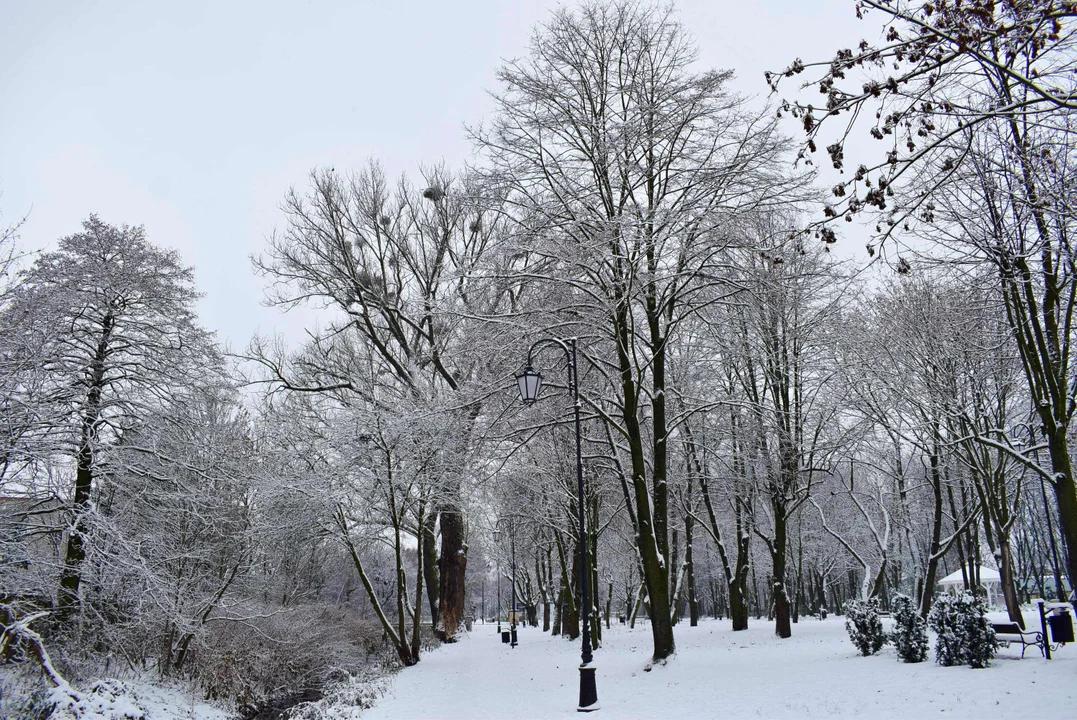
x=193, y=118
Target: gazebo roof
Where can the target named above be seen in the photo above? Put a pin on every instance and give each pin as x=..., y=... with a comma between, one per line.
x=986, y=575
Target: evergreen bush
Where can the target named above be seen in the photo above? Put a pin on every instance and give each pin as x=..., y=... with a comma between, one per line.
x=910, y=630
x=964, y=632
x=864, y=626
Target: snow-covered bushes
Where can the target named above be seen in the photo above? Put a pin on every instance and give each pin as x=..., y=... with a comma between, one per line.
x=285, y=658
x=864, y=627
x=964, y=632
x=343, y=698
x=910, y=632
x=105, y=700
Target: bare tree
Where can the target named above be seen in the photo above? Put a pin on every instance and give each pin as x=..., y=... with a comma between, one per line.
x=788, y=375
x=979, y=113
x=624, y=163
x=398, y=269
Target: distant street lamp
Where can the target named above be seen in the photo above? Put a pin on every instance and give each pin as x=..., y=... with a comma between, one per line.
x=511, y=523
x=530, y=382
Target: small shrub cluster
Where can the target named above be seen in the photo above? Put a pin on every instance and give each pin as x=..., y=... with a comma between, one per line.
x=910, y=631
x=964, y=633
x=864, y=626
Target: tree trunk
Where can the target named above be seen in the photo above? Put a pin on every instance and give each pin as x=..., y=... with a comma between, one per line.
x=71, y=575
x=675, y=585
x=928, y=590
x=693, y=604
x=453, y=568
x=782, y=627
x=1009, y=588
x=1066, y=495
x=431, y=576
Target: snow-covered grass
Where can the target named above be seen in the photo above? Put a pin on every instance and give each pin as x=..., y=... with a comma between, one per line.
x=130, y=700
x=718, y=673
x=109, y=699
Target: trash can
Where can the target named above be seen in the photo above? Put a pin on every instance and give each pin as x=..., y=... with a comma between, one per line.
x=822, y=614
x=1061, y=624
x=505, y=636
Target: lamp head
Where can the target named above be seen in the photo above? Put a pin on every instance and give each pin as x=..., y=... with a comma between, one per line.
x=530, y=382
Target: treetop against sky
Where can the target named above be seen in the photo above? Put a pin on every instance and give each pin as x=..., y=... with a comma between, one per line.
x=194, y=120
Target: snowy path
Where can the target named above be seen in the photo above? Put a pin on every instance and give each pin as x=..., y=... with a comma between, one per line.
x=718, y=673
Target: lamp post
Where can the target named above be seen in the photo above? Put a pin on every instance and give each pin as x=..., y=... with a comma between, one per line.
x=511, y=523
x=530, y=383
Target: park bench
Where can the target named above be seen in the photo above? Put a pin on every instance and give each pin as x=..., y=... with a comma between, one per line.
x=1008, y=633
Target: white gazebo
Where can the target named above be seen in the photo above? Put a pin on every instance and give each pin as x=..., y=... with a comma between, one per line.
x=990, y=581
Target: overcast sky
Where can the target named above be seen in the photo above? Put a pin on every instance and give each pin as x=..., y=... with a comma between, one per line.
x=194, y=118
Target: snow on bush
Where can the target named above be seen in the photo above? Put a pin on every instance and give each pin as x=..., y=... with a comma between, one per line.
x=964, y=633
x=105, y=700
x=864, y=627
x=345, y=699
x=910, y=632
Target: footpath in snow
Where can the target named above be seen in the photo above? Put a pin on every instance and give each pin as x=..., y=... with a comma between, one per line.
x=718, y=673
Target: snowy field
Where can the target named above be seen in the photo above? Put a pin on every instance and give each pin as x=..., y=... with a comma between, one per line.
x=718, y=673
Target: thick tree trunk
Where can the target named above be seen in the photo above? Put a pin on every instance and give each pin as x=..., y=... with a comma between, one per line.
x=928, y=590
x=1009, y=588
x=782, y=626
x=1066, y=496
x=453, y=568
x=651, y=503
x=71, y=575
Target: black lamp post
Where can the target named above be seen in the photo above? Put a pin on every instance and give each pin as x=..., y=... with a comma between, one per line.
x=511, y=523
x=530, y=382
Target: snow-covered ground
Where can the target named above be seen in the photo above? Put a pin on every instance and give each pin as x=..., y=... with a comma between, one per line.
x=102, y=700
x=718, y=673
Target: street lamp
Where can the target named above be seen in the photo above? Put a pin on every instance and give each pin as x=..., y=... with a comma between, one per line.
x=511, y=523
x=530, y=383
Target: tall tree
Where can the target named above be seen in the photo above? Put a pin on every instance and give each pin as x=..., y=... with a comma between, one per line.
x=788, y=377
x=397, y=266
x=623, y=162
x=119, y=335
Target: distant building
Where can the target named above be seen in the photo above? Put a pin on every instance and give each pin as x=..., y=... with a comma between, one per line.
x=990, y=581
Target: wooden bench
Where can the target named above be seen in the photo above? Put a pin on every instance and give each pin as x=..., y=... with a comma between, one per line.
x=1012, y=633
